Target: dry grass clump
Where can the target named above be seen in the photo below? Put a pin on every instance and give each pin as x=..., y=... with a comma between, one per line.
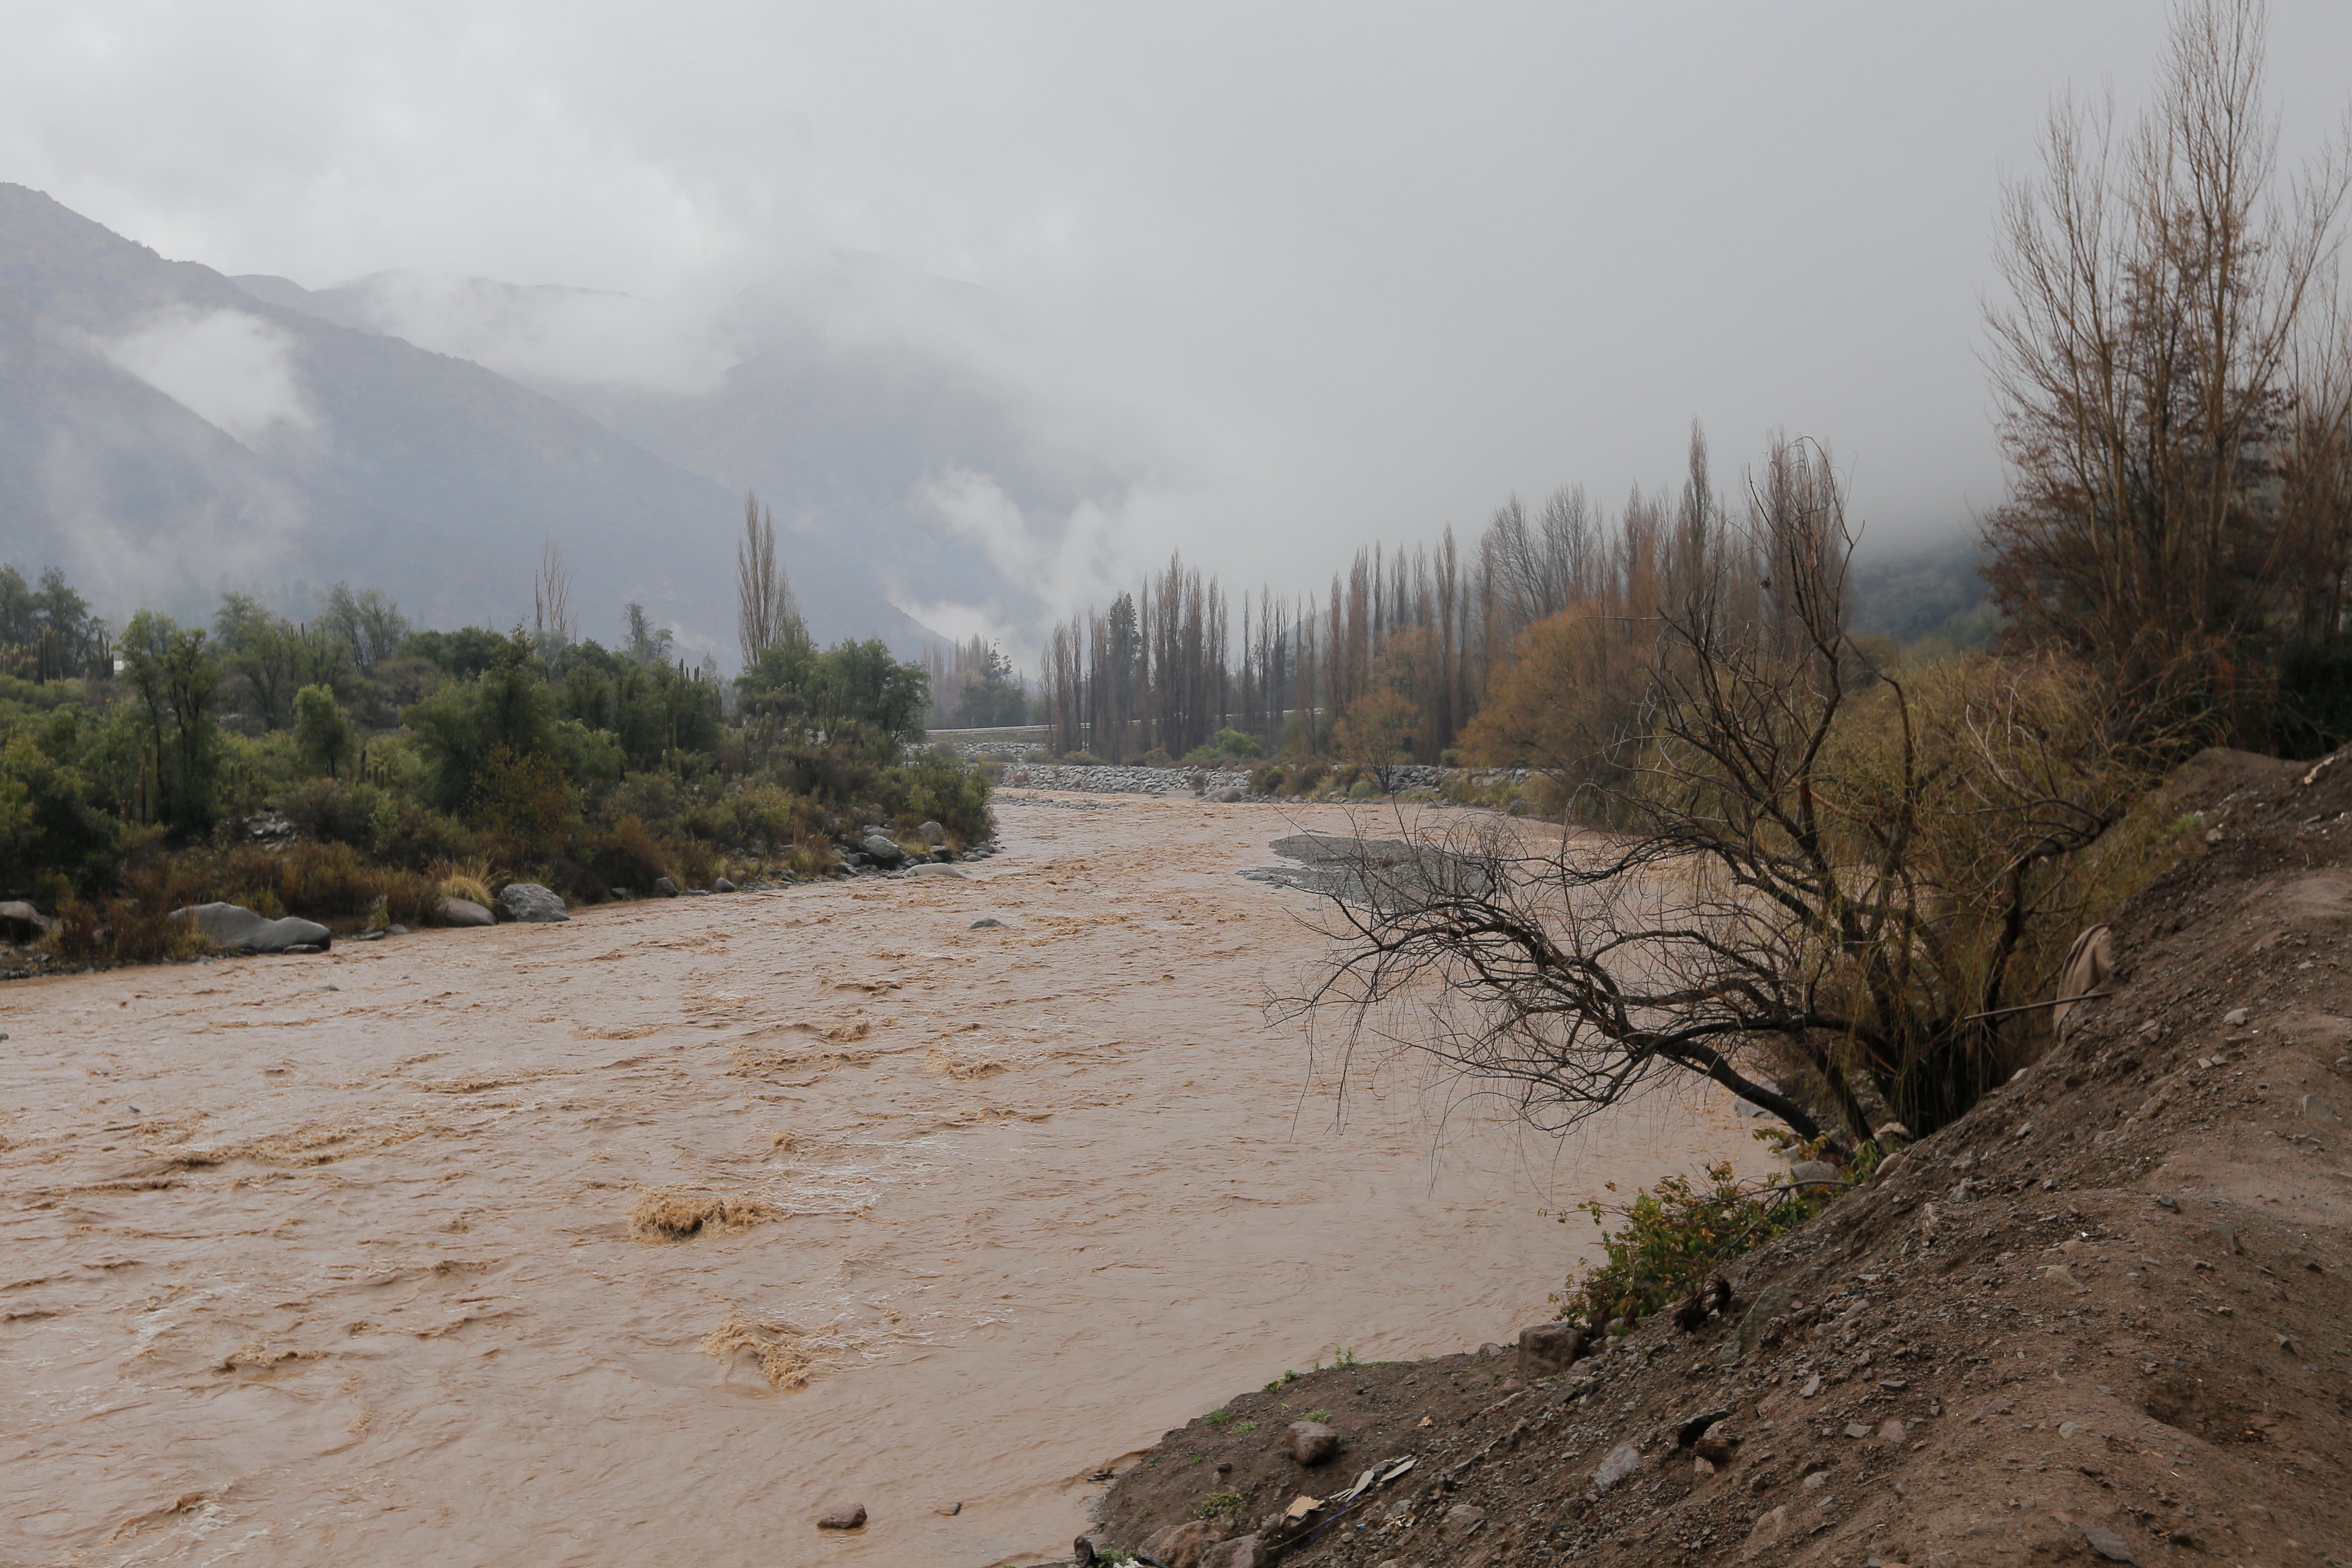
x=787, y=1356
x=673, y=1213
x=468, y=879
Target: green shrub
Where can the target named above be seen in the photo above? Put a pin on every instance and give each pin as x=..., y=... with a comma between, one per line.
x=333, y=811
x=1233, y=743
x=1668, y=1241
x=625, y=855
x=522, y=796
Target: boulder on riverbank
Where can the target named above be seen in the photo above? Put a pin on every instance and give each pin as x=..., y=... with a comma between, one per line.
x=20, y=922
x=462, y=912
x=235, y=927
x=528, y=901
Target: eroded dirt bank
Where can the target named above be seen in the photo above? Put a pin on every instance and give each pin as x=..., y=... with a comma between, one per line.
x=330, y=1260
x=2105, y=1317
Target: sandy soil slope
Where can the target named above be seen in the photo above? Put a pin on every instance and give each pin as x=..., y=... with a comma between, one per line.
x=2106, y=1317
x=331, y=1260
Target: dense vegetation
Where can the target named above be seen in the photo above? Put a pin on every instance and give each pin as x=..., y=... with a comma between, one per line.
x=352, y=767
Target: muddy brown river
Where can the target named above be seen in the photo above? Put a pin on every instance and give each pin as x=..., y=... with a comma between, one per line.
x=331, y=1260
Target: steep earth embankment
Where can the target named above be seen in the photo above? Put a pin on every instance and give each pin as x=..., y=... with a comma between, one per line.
x=2102, y=1318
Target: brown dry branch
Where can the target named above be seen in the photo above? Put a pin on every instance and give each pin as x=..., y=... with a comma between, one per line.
x=1824, y=864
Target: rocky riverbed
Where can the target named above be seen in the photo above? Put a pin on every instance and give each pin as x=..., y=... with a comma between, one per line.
x=659, y=1233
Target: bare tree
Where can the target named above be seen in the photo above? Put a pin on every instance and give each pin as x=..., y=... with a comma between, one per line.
x=552, y=617
x=2163, y=284
x=1827, y=867
x=765, y=610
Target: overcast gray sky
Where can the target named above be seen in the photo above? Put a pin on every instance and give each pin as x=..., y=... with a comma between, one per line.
x=1312, y=273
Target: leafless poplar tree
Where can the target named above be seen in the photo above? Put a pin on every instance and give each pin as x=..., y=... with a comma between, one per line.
x=2163, y=367
x=765, y=609
x=552, y=611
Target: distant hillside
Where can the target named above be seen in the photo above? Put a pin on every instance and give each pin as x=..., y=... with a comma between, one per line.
x=805, y=387
x=1932, y=593
x=164, y=431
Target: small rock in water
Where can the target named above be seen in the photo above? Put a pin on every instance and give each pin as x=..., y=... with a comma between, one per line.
x=664, y=887
x=984, y=923
x=1312, y=1443
x=723, y=886
x=850, y=1517
x=463, y=912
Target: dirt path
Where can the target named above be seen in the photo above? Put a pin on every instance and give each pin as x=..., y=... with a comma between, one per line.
x=330, y=1260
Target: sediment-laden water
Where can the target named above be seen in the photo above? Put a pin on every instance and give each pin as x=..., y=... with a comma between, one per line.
x=331, y=1260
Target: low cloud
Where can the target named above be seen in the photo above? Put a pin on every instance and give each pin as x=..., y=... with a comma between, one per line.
x=539, y=334
x=233, y=370
x=1084, y=557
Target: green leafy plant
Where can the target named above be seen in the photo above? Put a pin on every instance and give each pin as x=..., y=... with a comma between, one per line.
x=1666, y=1241
x=1245, y=1425
x=1216, y=1417
x=1318, y=1416
x=1218, y=1505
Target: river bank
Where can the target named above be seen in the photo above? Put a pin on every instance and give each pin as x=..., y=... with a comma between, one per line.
x=653, y=1235
x=2101, y=1318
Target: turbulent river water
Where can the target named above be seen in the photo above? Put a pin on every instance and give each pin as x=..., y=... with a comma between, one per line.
x=330, y=1260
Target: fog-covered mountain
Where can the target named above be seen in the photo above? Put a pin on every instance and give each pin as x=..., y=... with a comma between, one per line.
x=851, y=394
x=166, y=432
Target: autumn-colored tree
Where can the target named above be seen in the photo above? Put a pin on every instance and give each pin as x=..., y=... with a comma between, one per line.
x=2170, y=367
x=1377, y=732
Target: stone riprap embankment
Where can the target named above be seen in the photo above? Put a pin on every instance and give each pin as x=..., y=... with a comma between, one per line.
x=1105, y=778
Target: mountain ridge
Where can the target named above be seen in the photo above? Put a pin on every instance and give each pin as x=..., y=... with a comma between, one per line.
x=359, y=456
